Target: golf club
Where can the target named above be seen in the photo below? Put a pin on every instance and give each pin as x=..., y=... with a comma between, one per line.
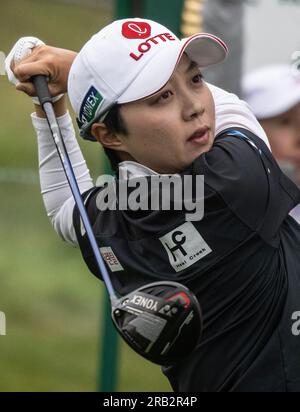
x=161, y=321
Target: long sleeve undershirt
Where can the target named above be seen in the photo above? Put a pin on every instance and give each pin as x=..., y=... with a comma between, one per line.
x=57, y=196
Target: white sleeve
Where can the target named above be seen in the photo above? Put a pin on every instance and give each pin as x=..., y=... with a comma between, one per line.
x=57, y=196
x=233, y=112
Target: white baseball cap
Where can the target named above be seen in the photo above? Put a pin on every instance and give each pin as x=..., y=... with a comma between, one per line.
x=129, y=60
x=272, y=90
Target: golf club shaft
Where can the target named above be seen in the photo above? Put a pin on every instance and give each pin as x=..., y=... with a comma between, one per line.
x=43, y=93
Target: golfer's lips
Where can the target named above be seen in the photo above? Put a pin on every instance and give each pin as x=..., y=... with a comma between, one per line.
x=200, y=136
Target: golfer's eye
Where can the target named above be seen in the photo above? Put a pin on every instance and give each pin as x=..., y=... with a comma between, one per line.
x=164, y=96
x=198, y=78
x=285, y=121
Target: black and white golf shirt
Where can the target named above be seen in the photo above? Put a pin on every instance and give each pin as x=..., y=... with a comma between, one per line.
x=242, y=260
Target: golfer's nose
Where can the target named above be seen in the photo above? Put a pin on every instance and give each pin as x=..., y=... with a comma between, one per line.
x=192, y=107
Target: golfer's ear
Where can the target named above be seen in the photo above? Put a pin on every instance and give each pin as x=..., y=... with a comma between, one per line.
x=105, y=137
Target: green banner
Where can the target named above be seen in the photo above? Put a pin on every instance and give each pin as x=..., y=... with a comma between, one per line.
x=166, y=12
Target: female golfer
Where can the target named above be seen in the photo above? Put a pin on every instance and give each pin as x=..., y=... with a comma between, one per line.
x=138, y=90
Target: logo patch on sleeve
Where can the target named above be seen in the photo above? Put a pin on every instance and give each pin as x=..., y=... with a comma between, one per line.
x=184, y=246
x=111, y=259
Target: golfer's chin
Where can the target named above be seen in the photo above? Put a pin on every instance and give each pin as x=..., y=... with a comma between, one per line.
x=201, y=150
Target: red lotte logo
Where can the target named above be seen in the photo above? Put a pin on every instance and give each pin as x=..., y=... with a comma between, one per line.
x=136, y=30
x=154, y=41
x=142, y=30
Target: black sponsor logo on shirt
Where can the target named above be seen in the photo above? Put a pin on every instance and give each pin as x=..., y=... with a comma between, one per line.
x=184, y=246
x=179, y=240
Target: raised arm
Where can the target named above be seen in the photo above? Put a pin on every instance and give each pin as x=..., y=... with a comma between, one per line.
x=55, y=63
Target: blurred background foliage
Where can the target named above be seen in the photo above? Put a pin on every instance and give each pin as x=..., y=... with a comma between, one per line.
x=53, y=305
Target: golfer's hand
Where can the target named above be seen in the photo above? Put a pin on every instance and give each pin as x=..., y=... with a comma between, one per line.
x=52, y=62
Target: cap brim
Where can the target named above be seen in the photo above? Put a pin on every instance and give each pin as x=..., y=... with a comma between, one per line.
x=278, y=106
x=204, y=49
x=271, y=90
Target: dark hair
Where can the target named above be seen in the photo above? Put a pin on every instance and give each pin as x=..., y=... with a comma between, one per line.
x=115, y=124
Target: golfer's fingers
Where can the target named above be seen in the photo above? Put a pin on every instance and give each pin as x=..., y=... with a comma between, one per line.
x=52, y=62
x=39, y=61
x=24, y=71
x=28, y=88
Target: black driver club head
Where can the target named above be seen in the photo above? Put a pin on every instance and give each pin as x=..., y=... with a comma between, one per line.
x=161, y=321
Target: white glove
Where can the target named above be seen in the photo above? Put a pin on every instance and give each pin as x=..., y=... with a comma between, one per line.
x=21, y=49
